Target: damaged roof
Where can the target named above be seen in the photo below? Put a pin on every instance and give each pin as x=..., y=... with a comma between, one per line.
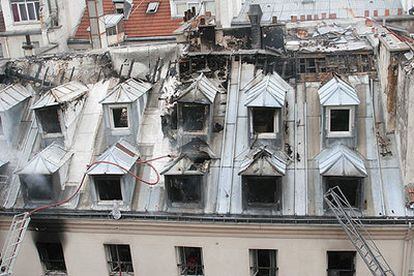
x=341, y=161
x=201, y=88
x=13, y=95
x=48, y=161
x=65, y=93
x=269, y=92
x=263, y=161
x=337, y=92
x=139, y=23
x=127, y=92
x=285, y=9
x=122, y=153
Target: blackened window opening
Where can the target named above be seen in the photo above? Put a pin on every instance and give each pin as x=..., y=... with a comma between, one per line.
x=263, y=120
x=263, y=191
x=51, y=256
x=350, y=187
x=341, y=263
x=184, y=188
x=119, y=258
x=120, y=116
x=49, y=118
x=340, y=120
x=191, y=262
x=263, y=262
x=108, y=187
x=39, y=187
x=194, y=116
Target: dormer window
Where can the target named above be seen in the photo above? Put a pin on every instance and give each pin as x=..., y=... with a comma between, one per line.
x=184, y=189
x=194, y=117
x=120, y=117
x=39, y=187
x=153, y=7
x=108, y=187
x=340, y=121
x=265, y=100
x=49, y=119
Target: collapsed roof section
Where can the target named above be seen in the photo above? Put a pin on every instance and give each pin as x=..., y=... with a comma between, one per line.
x=13, y=95
x=269, y=92
x=341, y=161
x=123, y=154
x=127, y=92
x=262, y=161
x=201, y=90
x=48, y=161
x=67, y=92
x=337, y=92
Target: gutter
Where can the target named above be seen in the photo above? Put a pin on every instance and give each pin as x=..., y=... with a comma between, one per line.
x=22, y=32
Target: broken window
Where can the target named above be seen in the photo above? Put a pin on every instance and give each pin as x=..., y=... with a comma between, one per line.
x=51, y=256
x=190, y=261
x=25, y=10
x=264, y=120
x=350, y=187
x=263, y=262
x=119, y=259
x=120, y=117
x=49, y=118
x=108, y=187
x=39, y=187
x=341, y=263
x=339, y=120
x=184, y=189
x=194, y=116
x=152, y=7
x=263, y=191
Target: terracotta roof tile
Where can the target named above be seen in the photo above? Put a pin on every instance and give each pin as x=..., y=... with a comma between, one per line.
x=139, y=23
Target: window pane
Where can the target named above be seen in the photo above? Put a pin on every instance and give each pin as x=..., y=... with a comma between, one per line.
x=262, y=190
x=191, y=261
x=263, y=120
x=38, y=186
x=31, y=10
x=120, y=116
x=15, y=10
x=109, y=188
x=194, y=116
x=49, y=119
x=340, y=119
x=23, y=12
x=184, y=189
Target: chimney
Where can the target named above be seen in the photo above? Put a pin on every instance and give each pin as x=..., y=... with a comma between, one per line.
x=255, y=15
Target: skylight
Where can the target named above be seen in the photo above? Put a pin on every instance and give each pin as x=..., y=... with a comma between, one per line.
x=153, y=7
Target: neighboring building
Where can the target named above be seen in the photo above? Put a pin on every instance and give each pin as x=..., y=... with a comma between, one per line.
x=214, y=156
x=37, y=26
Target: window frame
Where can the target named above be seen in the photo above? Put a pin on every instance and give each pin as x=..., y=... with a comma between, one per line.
x=328, y=270
x=109, y=259
x=156, y=5
x=206, y=123
x=278, y=206
x=110, y=201
x=25, y=3
x=276, y=123
x=111, y=116
x=254, y=262
x=59, y=115
x=339, y=134
x=359, y=192
x=180, y=204
x=52, y=187
x=180, y=256
x=47, y=262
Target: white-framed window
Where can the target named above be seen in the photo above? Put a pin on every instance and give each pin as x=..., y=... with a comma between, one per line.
x=190, y=261
x=119, y=259
x=340, y=121
x=263, y=262
x=119, y=117
x=25, y=10
x=264, y=122
x=153, y=7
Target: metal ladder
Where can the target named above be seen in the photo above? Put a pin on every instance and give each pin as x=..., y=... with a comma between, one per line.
x=357, y=233
x=11, y=247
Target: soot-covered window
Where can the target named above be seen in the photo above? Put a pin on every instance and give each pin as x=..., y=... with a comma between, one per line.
x=119, y=259
x=263, y=262
x=120, y=117
x=341, y=263
x=264, y=120
x=340, y=120
x=262, y=191
x=108, y=187
x=184, y=189
x=190, y=261
x=39, y=187
x=350, y=187
x=49, y=118
x=51, y=256
x=194, y=116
